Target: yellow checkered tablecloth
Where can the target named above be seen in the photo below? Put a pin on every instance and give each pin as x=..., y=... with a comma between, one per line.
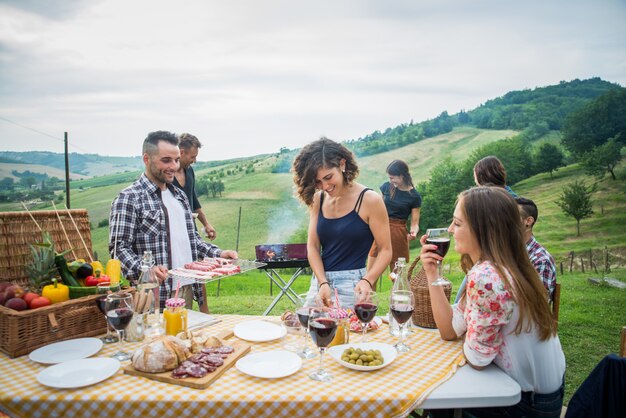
x=392, y=391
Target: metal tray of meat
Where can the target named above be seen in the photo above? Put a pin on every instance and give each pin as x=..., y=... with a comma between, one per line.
x=233, y=267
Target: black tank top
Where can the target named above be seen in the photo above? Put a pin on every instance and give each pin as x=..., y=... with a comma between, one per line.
x=345, y=241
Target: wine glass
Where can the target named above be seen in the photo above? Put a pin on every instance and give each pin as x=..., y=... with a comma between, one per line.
x=322, y=328
x=365, y=308
x=104, y=289
x=303, y=312
x=402, y=305
x=119, y=309
x=441, y=238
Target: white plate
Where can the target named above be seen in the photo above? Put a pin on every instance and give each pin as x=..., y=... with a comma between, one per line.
x=388, y=352
x=66, y=350
x=270, y=364
x=377, y=319
x=259, y=331
x=78, y=373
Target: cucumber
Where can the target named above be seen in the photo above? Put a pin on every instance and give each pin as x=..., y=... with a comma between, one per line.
x=66, y=276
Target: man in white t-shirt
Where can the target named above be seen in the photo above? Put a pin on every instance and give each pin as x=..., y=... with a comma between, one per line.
x=152, y=214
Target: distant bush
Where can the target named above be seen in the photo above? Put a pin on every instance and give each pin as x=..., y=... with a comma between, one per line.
x=103, y=223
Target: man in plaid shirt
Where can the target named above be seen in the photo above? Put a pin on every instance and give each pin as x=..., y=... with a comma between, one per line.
x=539, y=256
x=152, y=214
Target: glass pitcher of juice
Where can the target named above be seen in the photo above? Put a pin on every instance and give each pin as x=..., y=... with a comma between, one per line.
x=342, y=336
x=175, y=316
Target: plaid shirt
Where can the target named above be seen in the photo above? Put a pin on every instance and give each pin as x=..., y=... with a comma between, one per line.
x=544, y=264
x=138, y=222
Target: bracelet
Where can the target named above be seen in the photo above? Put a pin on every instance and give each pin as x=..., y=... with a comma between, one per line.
x=322, y=284
x=368, y=282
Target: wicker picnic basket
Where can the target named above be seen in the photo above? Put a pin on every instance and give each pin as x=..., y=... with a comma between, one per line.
x=25, y=331
x=423, y=313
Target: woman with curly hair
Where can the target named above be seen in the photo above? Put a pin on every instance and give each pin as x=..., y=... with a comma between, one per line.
x=345, y=219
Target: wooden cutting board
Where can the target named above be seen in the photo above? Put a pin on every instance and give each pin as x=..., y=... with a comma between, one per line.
x=241, y=349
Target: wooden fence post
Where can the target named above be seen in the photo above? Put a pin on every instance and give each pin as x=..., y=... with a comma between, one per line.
x=561, y=268
x=582, y=264
x=607, y=265
x=571, y=260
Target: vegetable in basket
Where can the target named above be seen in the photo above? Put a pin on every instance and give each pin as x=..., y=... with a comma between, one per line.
x=56, y=292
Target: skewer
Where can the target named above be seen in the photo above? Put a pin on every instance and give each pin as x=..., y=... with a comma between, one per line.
x=79, y=234
x=63, y=229
x=31, y=217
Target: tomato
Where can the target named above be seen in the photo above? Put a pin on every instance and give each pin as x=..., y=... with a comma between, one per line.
x=28, y=297
x=39, y=302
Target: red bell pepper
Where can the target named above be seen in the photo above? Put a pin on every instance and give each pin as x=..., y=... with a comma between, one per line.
x=96, y=279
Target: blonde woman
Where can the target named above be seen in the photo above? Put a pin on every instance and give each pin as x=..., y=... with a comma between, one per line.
x=504, y=314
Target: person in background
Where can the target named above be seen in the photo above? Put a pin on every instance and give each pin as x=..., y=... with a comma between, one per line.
x=539, y=257
x=489, y=171
x=401, y=200
x=154, y=215
x=345, y=219
x=504, y=316
x=185, y=179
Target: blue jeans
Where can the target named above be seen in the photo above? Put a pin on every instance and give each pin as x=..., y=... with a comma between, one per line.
x=532, y=405
x=344, y=281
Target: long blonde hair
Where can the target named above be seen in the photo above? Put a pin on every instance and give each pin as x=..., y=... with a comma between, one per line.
x=494, y=219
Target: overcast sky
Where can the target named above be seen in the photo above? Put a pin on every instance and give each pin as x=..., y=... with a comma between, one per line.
x=251, y=76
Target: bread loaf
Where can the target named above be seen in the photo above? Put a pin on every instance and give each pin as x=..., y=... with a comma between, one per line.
x=162, y=354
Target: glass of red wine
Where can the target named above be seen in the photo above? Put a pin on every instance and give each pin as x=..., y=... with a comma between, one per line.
x=402, y=305
x=322, y=328
x=441, y=238
x=303, y=311
x=104, y=289
x=119, y=309
x=365, y=308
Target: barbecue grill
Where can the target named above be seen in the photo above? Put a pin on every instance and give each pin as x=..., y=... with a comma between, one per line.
x=282, y=256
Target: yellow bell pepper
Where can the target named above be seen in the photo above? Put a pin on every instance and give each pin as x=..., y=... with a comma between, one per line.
x=56, y=292
x=97, y=266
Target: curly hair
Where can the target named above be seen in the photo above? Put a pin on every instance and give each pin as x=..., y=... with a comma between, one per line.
x=323, y=153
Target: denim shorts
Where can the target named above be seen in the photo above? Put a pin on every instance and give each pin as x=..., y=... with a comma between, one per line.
x=344, y=281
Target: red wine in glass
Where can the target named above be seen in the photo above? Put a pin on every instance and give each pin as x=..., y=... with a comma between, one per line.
x=101, y=302
x=443, y=245
x=119, y=318
x=303, y=316
x=322, y=331
x=365, y=311
x=401, y=312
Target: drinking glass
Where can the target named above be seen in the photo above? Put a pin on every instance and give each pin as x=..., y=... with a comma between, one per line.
x=441, y=238
x=365, y=308
x=104, y=289
x=322, y=328
x=119, y=309
x=402, y=305
x=304, y=311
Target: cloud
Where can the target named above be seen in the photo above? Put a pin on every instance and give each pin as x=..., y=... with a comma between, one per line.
x=257, y=76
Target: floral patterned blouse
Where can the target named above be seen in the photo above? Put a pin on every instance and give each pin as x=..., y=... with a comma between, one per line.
x=488, y=321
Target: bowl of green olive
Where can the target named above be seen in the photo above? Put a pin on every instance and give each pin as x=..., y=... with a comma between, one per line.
x=363, y=356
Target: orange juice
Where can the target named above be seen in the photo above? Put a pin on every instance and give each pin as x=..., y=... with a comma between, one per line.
x=175, y=316
x=114, y=270
x=343, y=333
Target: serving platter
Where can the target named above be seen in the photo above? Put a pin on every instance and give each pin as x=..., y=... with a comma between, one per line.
x=241, y=349
x=213, y=275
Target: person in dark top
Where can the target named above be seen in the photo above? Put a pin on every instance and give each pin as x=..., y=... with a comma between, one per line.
x=185, y=179
x=345, y=219
x=401, y=200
